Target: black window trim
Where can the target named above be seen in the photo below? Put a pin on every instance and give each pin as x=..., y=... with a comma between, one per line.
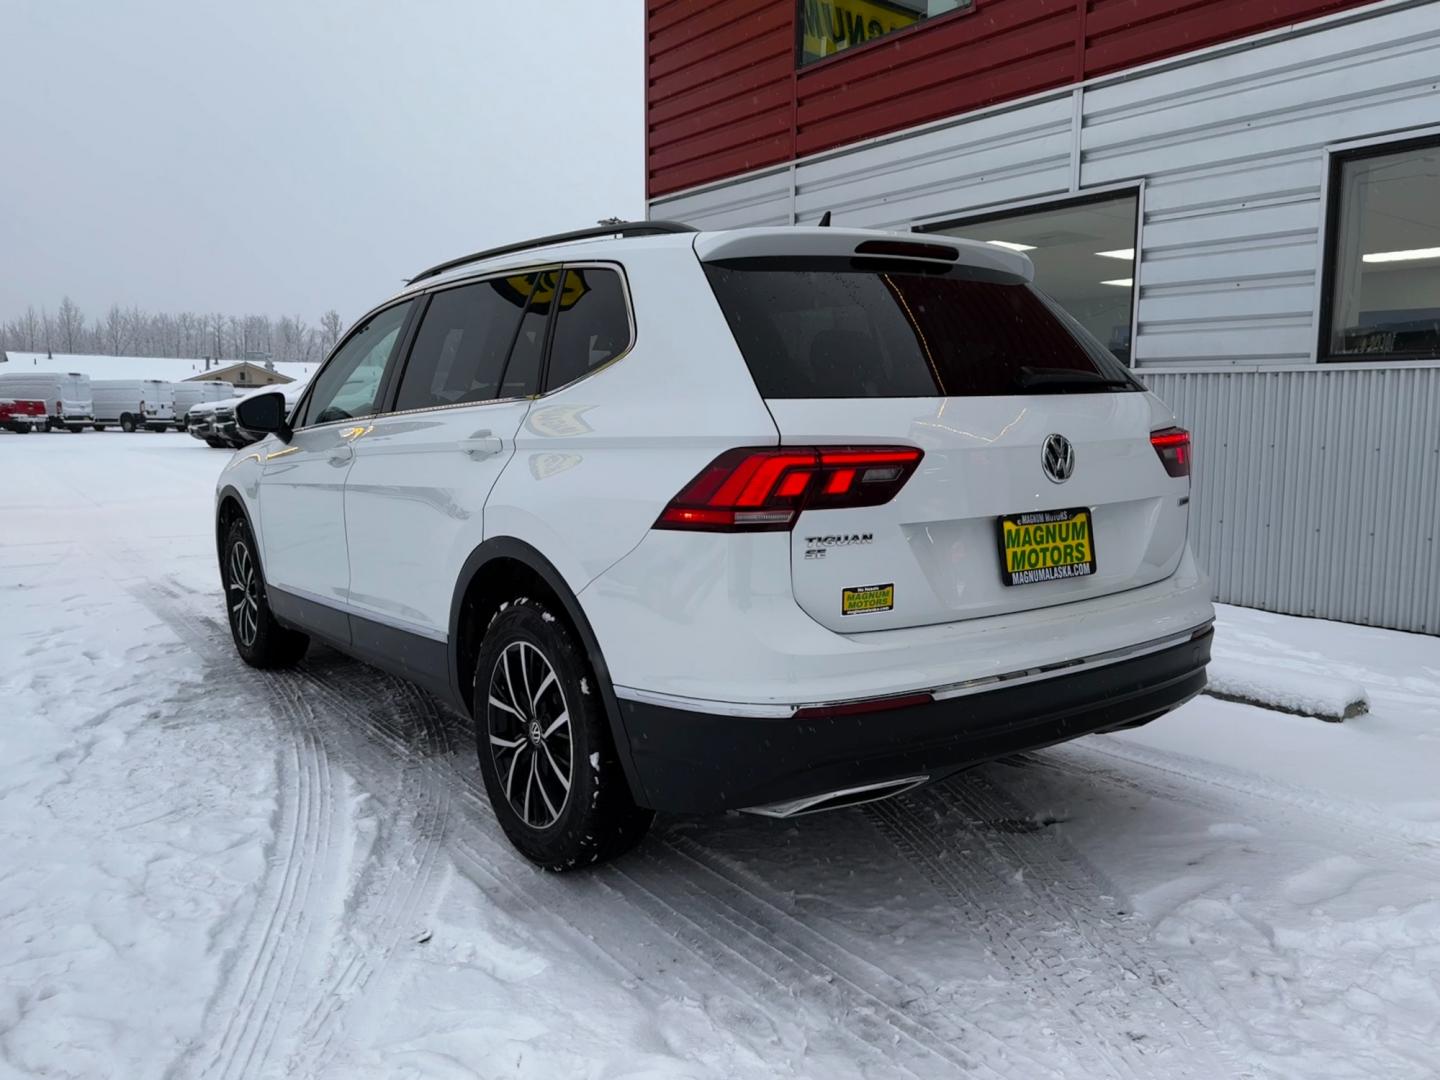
x=1334, y=183
x=402, y=343
x=929, y=22
x=1134, y=189
x=392, y=389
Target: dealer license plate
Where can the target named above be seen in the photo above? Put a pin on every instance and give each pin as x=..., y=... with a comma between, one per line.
x=1046, y=546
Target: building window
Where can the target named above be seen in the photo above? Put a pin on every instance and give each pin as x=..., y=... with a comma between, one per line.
x=1084, y=256
x=831, y=26
x=1383, y=264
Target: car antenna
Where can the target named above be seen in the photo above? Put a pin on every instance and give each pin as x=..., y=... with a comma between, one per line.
x=825, y=220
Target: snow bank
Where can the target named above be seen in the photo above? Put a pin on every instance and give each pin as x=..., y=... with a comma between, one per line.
x=1286, y=690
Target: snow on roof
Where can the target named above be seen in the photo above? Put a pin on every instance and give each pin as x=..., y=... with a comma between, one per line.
x=136, y=367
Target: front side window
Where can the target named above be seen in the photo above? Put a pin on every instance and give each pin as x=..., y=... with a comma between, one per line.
x=1084, y=257
x=825, y=328
x=348, y=385
x=828, y=27
x=460, y=350
x=592, y=325
x=1384, y=256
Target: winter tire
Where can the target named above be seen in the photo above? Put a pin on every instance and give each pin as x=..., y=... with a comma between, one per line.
x=127, y=422
x=546, y=754
x=99, y=427
x=75, y=428
x=259, y=639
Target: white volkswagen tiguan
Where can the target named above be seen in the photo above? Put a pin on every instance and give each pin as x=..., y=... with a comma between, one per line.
x=770, y=519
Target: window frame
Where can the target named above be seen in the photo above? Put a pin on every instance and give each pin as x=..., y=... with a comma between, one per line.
x=382, y=393
x=1048, y=203
x=596, y=264
x=392, y=390
x=1336, y=157
x=802, y=65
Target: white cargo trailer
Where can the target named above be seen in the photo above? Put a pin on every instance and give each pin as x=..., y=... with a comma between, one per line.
x=66, y=395
x=133, y=403
x=188, y=394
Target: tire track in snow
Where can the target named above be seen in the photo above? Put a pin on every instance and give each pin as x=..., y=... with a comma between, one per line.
x=397, y=919
x=1049, y=919
x=747, y=941
x=379, y=924
x=748, y=917
x=281, y=933
x=1178, y=778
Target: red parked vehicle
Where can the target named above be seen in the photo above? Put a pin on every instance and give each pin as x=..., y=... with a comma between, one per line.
x=22, y=416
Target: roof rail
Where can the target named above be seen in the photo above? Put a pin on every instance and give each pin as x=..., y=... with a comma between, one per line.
x=614, y=228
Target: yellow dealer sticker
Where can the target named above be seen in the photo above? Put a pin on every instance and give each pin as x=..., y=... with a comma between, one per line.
x=865, y=599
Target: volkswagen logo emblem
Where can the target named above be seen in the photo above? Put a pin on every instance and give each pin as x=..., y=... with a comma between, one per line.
x=1057, y=457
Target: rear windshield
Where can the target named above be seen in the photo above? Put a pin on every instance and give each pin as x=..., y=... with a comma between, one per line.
x=836, y=329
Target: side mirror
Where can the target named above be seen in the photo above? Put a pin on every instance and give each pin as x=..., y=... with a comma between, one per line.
x=264, y=414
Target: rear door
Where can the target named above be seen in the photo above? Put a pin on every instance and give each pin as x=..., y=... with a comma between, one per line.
x=415, y=496
x=957, y=355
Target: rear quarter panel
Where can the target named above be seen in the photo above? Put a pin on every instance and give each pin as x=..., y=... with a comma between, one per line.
x=595, y=462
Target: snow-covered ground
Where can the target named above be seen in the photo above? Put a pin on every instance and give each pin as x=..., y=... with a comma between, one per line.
x=207, y=871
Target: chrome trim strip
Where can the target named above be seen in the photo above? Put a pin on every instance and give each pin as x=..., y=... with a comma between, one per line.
x=945, y=692
x=393, y=622
x=704, y=705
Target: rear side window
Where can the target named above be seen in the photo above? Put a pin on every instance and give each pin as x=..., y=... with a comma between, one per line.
x=592, y=325
x=832, y=329
x=460, y=350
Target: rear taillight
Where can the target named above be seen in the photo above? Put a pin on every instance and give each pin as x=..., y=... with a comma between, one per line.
x=1173, y=446
x=766, y=489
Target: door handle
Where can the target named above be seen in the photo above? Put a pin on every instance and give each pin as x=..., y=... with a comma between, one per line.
x=482, y=444
x=342, y=455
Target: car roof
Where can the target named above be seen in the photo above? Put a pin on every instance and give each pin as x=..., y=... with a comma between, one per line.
x=725, y=244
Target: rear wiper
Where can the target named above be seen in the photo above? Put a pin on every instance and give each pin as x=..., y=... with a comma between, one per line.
x=1070, y=379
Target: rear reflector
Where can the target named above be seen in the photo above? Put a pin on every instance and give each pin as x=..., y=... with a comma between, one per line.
x=1173, y=446
x=870, y=705
x=760, y=489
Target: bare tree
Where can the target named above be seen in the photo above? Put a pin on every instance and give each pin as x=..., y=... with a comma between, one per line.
x=117, y=331
x=69, y=323
x=330, y=329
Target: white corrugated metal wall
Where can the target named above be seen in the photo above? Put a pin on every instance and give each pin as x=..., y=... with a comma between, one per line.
x=1317, y=488
x=1317, y=485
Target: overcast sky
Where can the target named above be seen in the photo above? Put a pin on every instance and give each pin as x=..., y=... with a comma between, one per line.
x=284, y=158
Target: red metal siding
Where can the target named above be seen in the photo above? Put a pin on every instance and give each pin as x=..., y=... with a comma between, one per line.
x=719, y=88
x=723, y=95
x=1124, y=33
x=1002, y=50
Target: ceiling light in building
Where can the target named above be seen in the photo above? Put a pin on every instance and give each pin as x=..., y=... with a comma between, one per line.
x=1401, y=256
x=1128, y=254
x=1123, y=282
x=1008, y=246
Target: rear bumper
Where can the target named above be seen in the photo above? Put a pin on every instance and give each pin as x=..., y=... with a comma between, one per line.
x=693, y=762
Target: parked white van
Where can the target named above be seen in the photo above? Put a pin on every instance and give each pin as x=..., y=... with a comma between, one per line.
x=191, y=393
x=133, y=403
x=66, y=395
